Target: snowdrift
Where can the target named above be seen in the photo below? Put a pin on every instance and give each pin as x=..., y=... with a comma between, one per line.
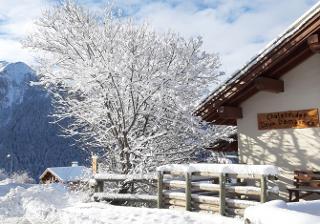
x=280, y=212
x=35, y=203
x=53, y=204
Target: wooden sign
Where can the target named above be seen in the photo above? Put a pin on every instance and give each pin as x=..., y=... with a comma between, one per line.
x=289, y=119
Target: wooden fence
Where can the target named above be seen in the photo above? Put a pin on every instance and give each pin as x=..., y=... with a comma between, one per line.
x=102, y=178
x=224, y=193
x=210, y=192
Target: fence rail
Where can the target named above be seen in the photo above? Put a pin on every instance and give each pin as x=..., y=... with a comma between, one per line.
x=125, y=197
x=102, y=178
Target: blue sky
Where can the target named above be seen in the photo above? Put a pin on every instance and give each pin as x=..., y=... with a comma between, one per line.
x=236, y=29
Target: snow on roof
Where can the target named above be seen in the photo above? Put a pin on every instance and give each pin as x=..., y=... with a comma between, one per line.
x=69, y=173
x=292, y=29
x=222, y=168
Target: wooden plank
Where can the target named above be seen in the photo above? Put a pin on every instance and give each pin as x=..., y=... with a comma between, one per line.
x=263, y=185
x=246, y=190
x=289, y=119
x=268, y=84
x=125, y=197
x=174, y=195
x=177, y=184
x=159, y=189
x=229, y=112
x=222, y=194
x=174, y=173
x=188, y=191
x=206, y=207
x=123, y=177
x=314, y=43
x=174, y=184
x=194, y=197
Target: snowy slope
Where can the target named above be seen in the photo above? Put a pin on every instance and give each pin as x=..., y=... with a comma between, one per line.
x=14, y=79
x=25, y=129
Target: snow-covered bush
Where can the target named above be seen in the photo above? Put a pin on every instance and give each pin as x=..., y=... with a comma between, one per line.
x=128, y=89
x=3, y=174
x=21, y=177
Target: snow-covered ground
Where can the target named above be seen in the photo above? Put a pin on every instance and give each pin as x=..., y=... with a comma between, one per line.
x=22, y=203
x=280, y=212
x=39, y=204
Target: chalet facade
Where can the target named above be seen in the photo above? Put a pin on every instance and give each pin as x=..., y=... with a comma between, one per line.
x=274, y=101
x=69, y=175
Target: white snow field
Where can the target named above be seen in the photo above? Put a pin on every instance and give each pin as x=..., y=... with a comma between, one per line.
x=52, y=204
x=40, y=204
x=280, y=212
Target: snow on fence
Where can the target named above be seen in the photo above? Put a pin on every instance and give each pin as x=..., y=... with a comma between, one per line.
x=212, y=187
x=101, y=178
x=221, y=188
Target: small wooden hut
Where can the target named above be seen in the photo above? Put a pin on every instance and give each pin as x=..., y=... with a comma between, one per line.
x=69, y=175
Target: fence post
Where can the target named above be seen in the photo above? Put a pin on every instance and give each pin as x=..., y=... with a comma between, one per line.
x=188, y=177
x=263, y=185
x=94, y=164
x=160, y=189
x=222, y=194
x=99, y=186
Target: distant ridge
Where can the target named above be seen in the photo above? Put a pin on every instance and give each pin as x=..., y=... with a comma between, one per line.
x=28, y=141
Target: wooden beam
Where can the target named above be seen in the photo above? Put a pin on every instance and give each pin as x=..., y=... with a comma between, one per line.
x=314, y=43
x=268, y=84
x=263, y=183
x=160, y=189
x=222, y=194
x=230, y=112
x=188, y=191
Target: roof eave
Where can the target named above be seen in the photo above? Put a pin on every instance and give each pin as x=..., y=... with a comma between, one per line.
x=296, y=40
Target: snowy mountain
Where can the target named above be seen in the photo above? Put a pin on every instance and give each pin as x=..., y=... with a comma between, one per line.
x=28, y=141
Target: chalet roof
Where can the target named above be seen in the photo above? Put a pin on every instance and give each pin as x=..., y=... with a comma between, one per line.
x=69, y=174
x=297, y=43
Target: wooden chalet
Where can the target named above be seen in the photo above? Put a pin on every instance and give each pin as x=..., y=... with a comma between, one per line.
x=69, y=175
x=274, y=102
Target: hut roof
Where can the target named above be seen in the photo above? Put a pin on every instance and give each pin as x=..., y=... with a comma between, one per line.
x=69, y=174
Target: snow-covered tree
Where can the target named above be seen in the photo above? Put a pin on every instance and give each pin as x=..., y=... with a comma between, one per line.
x=127, y=88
